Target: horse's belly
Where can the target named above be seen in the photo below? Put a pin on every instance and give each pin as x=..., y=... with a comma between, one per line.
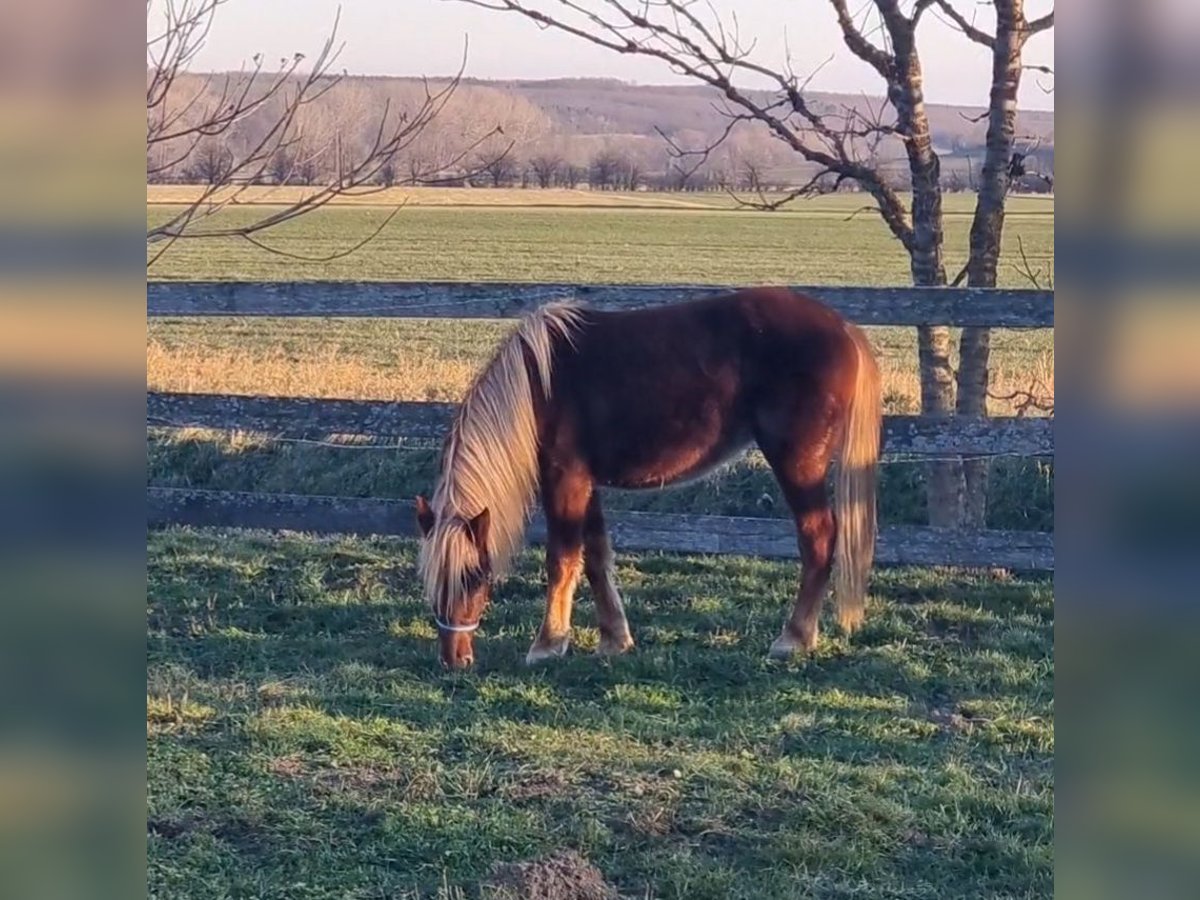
x=672, y=466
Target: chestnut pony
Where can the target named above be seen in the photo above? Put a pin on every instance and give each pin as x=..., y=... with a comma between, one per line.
x=576, y=398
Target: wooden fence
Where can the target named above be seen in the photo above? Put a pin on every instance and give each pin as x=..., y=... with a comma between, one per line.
x=910, y=436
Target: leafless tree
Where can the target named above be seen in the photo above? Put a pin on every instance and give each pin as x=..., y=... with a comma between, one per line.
x=387, y=174
x=841, y=144
x=210, y=162
x=306, y=168
x=1002, y=165
x=604, y=169
x=280, y=166
x=720, y=175
x=545, y=168
x=749, y=177
x=572, y=175
x=497, y=170
x=182, y=121
x=956, y=182
x=421, y=165
x=635, y=176
x=683, y=177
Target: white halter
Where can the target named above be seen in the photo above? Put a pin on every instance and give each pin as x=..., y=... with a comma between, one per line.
x=446, y=626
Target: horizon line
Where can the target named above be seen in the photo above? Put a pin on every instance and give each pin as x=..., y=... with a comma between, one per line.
x=610, y=79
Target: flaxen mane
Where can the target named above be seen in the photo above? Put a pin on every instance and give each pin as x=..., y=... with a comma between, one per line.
x=489, y=460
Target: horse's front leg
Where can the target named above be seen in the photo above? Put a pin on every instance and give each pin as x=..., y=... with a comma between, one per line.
x=565, y=496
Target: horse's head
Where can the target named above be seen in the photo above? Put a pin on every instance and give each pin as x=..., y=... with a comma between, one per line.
x=457, y=571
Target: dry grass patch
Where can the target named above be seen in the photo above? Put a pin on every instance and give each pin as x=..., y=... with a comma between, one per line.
x=333, y=372
x=326, y=372
x=1009, y=387
x=270, y=195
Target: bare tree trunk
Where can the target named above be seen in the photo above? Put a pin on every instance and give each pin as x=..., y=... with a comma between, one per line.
x=944, y=484
x=987, y=229
x=944, y=478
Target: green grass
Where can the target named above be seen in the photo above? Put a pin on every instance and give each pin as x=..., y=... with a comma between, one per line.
x=302, y=742
x=811, y=243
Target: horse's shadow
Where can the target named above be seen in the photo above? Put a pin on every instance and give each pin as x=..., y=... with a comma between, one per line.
x=702, y=628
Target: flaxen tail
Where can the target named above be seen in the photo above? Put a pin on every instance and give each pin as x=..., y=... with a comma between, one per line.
x=854, y=492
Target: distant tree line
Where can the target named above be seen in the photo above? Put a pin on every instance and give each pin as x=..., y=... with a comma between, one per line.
x=530, y=151
x=613, y=168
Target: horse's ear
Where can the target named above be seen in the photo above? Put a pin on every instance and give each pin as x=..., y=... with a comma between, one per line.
x=425, y=517
x=478, y=529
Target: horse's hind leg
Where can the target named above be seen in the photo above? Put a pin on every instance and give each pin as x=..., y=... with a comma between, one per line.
x=565, y=497
x=801, y=466
x=817, y=535
x=598, y=566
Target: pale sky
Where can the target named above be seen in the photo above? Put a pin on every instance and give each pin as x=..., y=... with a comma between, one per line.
x=425, y=37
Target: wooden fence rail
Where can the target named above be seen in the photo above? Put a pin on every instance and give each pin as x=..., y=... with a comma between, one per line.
x=307, y=417
x=747, y=536
x=460, y=300
x=304, y=417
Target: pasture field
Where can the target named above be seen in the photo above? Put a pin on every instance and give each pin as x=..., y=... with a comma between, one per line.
x=302, y=742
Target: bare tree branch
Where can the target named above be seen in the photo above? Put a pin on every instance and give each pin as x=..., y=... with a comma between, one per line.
x=858, y=44
x=182, y=126
x=700, y=155
x=1038, y=396
x=813, y=186
x=968, y=28
x=919, y=10
x=862, y=209
x=672, y=31
x=337, y=254
x=1045, y=23
x=1026, y=270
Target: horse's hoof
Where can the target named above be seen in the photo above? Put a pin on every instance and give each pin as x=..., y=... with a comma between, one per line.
x=783, y=648
x=539, y=652
x=615, y=646
x=786, y=646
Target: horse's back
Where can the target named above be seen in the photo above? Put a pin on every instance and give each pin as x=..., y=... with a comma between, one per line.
x=659, y=394
x=773, y=310
x=794, y=335
x=768, y=332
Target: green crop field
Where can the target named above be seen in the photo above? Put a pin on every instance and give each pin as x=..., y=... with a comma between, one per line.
x=822, y=241
x=302, y=741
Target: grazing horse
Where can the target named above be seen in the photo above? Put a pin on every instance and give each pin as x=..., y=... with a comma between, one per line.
x=576, y=398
